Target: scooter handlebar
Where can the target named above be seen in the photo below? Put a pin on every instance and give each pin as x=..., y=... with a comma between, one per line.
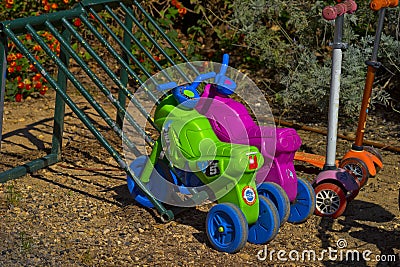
x=332, y=12
x=376, y=5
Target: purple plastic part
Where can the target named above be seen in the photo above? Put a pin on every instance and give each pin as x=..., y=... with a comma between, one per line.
x=345, y=178
x=232, y=123
x=332, y=12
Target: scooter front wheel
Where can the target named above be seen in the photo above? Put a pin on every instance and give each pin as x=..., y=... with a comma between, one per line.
x=376, y=153
x=330, y=200
x=357, y=167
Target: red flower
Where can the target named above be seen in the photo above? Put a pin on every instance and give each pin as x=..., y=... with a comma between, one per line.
x=43, y=91
x=11, y=69
x=19, y=55
x=38, y=85
x=28, y=87
x=77, y=22
x=18, y=97
x=21, y=85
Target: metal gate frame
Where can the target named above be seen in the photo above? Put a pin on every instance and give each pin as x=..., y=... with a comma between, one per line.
x=60, y=26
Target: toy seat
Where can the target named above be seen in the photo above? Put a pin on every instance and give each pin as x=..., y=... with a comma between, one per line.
x=232, y=123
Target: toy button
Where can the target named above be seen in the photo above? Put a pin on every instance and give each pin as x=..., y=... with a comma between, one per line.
x=188, y=93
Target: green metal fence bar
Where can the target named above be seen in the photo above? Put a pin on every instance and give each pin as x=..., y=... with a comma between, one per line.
x=178, y=51
x=110, y=73
x=124, y=78
x=120, y=43
x=59, y=109
x=3, y=73
x=18, y=25
x=166, y=215
x=137, y=42
x=120, y=60
x=96, y=80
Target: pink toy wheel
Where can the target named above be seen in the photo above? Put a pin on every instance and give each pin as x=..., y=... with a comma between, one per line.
x=357, y=167
x=352, y=194
x=330, y=200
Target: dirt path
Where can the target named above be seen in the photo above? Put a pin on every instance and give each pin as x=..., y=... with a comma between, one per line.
x=79, y=212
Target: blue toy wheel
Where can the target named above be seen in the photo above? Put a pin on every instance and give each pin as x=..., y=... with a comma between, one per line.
x=304, y=204
x=137, y=167
x=278, y=196
x=226, y=227
x=267, y=224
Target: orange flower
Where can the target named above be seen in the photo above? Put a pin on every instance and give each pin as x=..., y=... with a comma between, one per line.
x=65, y=1
x=11, y=57
x=28, y=37
x=13, y=64
x=54, y=6
x=10, y=69
x=46, y=7
x=182, y=11
x=19, y=55
x=37, y=48
x=10, y=2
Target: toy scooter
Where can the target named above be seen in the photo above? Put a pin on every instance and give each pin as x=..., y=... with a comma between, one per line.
x=366, y=161
x=276, y=179
x=335, y=186
x=195, y=156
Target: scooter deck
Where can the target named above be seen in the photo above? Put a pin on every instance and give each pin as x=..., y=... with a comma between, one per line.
x=313, y=159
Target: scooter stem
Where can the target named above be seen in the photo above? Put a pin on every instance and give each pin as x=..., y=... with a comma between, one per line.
x=333, y=113
x=373, y=65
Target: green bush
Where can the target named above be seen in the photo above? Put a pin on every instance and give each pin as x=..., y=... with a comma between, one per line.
x=292, y=41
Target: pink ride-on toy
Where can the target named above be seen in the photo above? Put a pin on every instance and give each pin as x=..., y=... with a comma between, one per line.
x=276, y=179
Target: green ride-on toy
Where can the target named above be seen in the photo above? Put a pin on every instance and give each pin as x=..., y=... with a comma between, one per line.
x=189, y=158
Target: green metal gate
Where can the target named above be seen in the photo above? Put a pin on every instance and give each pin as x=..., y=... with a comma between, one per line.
x=119, y=31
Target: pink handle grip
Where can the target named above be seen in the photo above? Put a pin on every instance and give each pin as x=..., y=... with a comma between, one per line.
x=375, y=5
x=332, y=12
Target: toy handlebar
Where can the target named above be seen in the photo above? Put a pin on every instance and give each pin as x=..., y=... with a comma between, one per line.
x=193, y=85
x=349, y=6
x=376, y=5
